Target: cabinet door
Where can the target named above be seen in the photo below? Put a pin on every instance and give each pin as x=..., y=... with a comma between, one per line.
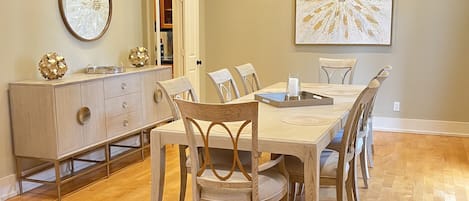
x=92, y=97
x=69, y=131
x=156, y=107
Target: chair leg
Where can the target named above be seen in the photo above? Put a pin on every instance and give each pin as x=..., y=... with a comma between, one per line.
x=183, y=171
x=364, y=168
x=369, y=144
x=292, y=191
x=353, y=183
x=349, y=190
x=339, y=188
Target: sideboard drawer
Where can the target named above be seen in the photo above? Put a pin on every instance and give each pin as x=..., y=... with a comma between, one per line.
x=121, y=85
x=120, y=124
x=123, y=104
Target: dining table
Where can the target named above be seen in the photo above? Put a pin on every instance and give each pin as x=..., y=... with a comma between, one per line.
x=302, y=131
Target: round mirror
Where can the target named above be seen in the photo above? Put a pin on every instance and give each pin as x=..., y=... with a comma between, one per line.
x=87, y=20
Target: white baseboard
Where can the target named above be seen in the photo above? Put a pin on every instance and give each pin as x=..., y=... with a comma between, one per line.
x=8, y=187
x=420, y=126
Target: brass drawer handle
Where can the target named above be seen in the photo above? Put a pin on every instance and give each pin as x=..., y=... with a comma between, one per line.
x=126, y=123
x=157, y=96
x=124, y=105
x=83, y=115
x=123, y=86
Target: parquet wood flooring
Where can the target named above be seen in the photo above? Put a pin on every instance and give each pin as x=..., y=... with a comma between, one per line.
x=408, y=167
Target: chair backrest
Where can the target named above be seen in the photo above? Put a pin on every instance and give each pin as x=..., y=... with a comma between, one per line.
x=204, y=121
x=180, y=88
x=337, y=71
x=349, y=138
x=249, y=78
x=382, y=75
x=225, y=85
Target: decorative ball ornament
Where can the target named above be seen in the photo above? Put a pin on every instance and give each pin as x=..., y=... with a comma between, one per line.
x=52, y=66
x=138, y=56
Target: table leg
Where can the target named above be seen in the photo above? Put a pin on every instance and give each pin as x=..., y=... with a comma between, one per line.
x=158, y=158
x=311, y=174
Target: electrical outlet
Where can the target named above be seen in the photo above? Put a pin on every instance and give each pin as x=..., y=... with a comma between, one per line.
x=397, y=106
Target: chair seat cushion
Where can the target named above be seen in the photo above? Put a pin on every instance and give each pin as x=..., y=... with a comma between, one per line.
x=328, y=164
x=272, y=186
x=335, y=143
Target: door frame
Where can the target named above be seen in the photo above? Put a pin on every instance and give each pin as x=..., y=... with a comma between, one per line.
x=152, y=35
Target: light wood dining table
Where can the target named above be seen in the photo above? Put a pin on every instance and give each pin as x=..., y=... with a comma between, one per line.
x=299, y=131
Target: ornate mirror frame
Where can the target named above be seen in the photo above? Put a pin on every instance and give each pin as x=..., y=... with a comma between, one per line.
x=87, y=20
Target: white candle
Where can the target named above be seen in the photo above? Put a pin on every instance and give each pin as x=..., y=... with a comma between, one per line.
x=293, y=86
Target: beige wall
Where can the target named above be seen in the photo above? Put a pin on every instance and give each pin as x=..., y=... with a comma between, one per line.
x=32, y=28
x=429, y=53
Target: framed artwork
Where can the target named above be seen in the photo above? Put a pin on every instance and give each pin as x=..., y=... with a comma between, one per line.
x=360, y=22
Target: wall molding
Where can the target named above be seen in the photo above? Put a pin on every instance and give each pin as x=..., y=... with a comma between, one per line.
x=421, y=126
x=8, y=187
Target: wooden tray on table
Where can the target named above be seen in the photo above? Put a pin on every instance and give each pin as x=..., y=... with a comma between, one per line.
x=280, y=99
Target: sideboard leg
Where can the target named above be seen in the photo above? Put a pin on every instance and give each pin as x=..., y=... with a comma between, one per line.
x=108, y=158
x=57, y=178
x=142, y=146
x=19, y=174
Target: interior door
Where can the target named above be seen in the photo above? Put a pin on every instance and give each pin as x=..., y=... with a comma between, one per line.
x=186, y=40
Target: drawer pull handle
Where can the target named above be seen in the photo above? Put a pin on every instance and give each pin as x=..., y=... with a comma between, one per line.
x=126, y=123
x=83, y=115
x=124, y=105
x=157, y=96
x=123, y=86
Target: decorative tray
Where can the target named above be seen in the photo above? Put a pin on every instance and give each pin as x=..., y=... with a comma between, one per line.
x=104, y=69
x=280, y=99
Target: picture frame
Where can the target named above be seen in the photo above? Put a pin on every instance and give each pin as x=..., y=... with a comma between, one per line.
x=343, y=22
x=86, y=20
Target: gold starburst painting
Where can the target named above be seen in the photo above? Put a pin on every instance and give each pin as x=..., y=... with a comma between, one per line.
x=343, y=22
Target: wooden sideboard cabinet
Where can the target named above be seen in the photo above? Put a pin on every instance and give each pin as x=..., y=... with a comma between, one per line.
x=53, y=120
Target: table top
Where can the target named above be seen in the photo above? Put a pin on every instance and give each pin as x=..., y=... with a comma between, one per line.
x=296, y=125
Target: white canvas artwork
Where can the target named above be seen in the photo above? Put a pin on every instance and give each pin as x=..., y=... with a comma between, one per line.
x=365, y=22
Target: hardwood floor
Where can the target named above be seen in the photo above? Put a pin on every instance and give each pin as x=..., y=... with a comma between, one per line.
x=407, y=167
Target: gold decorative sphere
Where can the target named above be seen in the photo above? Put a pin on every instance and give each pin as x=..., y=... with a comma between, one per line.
x=52, y=66
x=138, y=56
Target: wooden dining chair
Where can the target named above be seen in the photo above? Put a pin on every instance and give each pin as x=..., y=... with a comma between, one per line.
x=365, y=135
x=181, y=88
x=338, y=167
x=235, y=182
x=337, y=71
x=249, y=77
x=382, y=75
x=225, y=85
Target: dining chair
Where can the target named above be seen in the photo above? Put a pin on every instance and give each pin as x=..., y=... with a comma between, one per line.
x=337, y=71
x=225, y=85
x=249, y=77
x=338, y=167
x=381, y=76
x=365, y=134
x=235, y=182
x=181, y=88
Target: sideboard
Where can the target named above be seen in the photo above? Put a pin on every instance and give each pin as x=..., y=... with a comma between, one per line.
x=59, y=120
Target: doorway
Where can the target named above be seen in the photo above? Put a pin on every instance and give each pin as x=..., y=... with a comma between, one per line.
x=177, y=31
